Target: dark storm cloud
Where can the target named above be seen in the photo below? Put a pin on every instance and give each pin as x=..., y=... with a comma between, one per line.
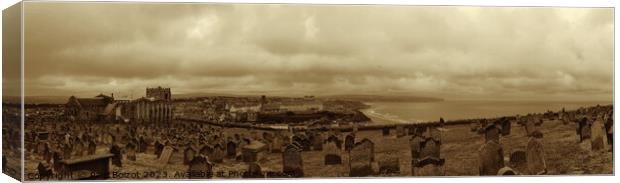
x=453, y=52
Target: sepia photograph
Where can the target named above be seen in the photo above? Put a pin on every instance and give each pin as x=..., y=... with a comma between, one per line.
x=208, y=90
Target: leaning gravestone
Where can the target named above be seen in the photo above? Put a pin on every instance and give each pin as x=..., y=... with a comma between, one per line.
x=292, y=163
x=599, y=135
x=332, y=154
x=584, y=130
x=200, y=168
x=505, y=123
x=166, y=154
x=535, y=157
x=490, y=158
x=360, y=158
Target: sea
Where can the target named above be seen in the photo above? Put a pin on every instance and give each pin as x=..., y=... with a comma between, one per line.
x=415, y=112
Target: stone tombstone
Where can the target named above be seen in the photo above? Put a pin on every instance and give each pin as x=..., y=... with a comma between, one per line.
x=317, y=142
x=415, y=146
x=335, y=140
x=360, y=158
x=505, y=123
x=400, y=131
x=349, y=141
x=231, y=149
x=200, y=168
x=188, y=155
x=535, y=157
x=430, y=148
x=276, y=144
x=130, y=152
x=385, y=131
x=218, y=154
x=428, y=166
x=492, y=133
x=165, y=156
x=598, y=135
x=292, y=163
x=332, y=154
x=530, y=127
x=435, y=134
x=92, y=147
x=490, y=158
x=584, y=129
x=115, y=149
x=142, y=145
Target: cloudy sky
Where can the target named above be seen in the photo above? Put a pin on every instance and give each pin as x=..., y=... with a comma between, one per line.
x=450, y=52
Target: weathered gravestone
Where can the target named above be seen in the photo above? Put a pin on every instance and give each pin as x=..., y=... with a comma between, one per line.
x=332, y=154
x=115, y=149
x=218, y=154
x=584, y=130
x=492, y=133
x=165, y=156
x=200, y=168
x=292, y=163
x=231, y=150
x=535, y=155
x=414, y=145
x=335, y=140
x=428, y=166
x=599, y=135
x=430, y=148
x=276, y=144
x=349, y=141
x=490, y=158
x=360, y=158
x=188, y=155
x=253, y=151
x=505, y=125
x=130, y=152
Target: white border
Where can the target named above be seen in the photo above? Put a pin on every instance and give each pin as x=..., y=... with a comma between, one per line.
x=563, y=3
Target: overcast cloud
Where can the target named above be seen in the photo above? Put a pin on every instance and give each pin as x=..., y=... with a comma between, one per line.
x=451, y=52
